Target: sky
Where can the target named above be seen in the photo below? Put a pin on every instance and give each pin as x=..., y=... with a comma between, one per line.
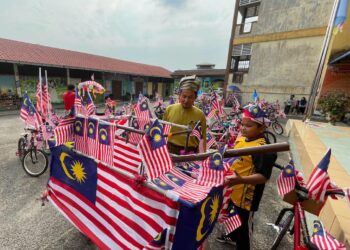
x=174, y=34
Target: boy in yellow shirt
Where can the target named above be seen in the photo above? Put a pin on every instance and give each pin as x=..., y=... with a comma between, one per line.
x=251, y=174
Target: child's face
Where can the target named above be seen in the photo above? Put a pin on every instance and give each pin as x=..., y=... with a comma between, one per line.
x=251, y=129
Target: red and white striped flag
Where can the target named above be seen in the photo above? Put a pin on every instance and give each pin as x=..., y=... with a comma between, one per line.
x=90, y=106
x=64, y=132
x=154, y=152
x=126, y=156
x=92, y=139
x=166, y=130
x=106, y=133
x=80, y=136
x=142, y=112
x=319, y=180
x=323, y=240
x=212, y=171
x=210, y=140
x=134, y=138
x=233, y=221
x=286, y=179
x=109, y=208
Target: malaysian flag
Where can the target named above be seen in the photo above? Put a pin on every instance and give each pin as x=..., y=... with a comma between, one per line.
x=28, y=113
x=215, y=103
x=319, y=180
x=212, y=171
x=210, y=140
x=154, y=152
x=182, y=185
x=42, y=99
x=286, y=179
x=92, y=139
x=126, y=156
x=80, y=135
x=107, y=207
x=197, y=131
x=142, y=112
x=323, y=240
x=166, y=130
x=78, y=105
x=90, y=106
x=106, y=133
x=134, y=138
x=233, y=221
x=64, y=131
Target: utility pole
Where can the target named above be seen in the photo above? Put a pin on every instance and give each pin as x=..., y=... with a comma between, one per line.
x=230, y=47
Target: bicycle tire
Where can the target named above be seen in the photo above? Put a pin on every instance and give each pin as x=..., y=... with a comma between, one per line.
x=270, y=137
x=277, y=128
x=35, y=167
x=286, y=224
x=21, y=148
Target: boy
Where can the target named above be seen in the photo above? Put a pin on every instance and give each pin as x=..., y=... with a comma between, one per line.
x=251, y=174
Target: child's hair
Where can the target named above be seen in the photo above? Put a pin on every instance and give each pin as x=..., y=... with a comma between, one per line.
x=70, y=87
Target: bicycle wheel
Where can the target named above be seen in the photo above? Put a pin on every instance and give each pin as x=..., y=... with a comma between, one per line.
x=284, y=224
x=35, y=162
x=270, y=137
x=21, y=148
x=277, y=128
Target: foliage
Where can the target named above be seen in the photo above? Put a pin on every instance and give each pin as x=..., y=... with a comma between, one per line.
x=334, y=104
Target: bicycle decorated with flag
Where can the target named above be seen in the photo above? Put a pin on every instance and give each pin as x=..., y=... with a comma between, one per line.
x=310, y=197
x=119, y=185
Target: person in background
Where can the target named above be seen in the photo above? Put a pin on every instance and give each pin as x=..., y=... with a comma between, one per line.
x=184, y=113
x=249, y=175
x=302, y=106
x=288, y=104
x=110, y=105
x=68, y=99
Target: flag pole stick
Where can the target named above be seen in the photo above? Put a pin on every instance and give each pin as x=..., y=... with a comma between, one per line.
x=41, y=92
x=168, y=123
x=47, y=95
x=270, y=148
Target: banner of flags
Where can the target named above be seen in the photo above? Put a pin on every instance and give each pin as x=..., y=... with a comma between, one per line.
x=109, y=208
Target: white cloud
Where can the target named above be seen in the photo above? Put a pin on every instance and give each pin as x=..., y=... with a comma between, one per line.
x=170, y=33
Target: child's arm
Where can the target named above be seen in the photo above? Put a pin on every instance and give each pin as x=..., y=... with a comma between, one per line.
x=251, y=179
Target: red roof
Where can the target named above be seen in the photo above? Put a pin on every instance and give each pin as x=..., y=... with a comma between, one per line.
x=27, y=53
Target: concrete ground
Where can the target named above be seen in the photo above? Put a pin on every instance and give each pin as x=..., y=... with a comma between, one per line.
x=26, y=224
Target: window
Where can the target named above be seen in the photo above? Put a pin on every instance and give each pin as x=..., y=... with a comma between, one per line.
x=240, y=63
x=250, y=16
x=237, y=78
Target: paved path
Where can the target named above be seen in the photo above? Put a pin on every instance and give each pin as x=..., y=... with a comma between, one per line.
x=25, y=224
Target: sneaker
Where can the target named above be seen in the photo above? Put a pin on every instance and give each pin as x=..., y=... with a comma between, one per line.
x=225, y=240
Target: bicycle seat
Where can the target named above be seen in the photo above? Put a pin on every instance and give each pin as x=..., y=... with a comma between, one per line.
x=32, y=130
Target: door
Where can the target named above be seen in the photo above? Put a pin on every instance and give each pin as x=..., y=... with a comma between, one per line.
x=138, y=88
x=117, y=89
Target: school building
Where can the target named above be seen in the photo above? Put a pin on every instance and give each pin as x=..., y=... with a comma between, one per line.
x=19, y=72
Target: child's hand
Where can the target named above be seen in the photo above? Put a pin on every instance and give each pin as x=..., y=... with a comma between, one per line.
x=234, y=179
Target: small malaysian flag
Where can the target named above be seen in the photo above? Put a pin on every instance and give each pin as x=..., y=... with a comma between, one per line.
x=323, y=240
x=92, y=139
x=78, y=106
x=319, y=180
x=197, y=131
x=286, y=179
x=210, y=140
x=154, y=152
x=90, y=106
x=233, y=221
x=106, y=134
x=80, y=135
x=126, y=156
x=64, y=132
x=134, y=138
x=142, y=112
x=215, y=103
x=29, y=114
x=166, y=130
x=212, y=171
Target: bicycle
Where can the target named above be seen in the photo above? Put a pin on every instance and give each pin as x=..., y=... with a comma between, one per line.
x=296, y=213
x=34, y=161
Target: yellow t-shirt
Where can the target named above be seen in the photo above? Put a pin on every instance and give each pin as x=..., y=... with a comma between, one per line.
x=243, y=194
x=177, y=114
